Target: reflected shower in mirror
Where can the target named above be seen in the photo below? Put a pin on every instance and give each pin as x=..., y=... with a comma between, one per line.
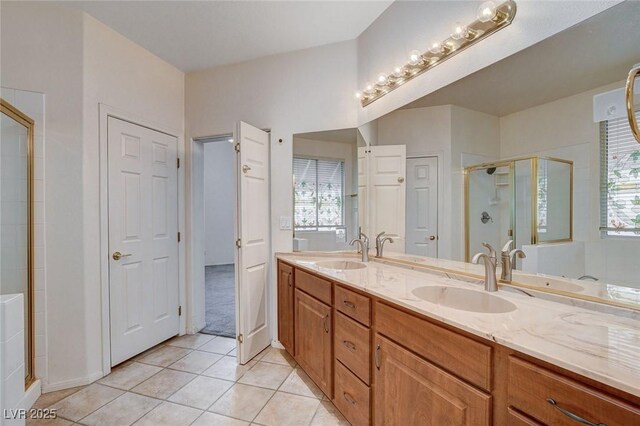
x=325, y=190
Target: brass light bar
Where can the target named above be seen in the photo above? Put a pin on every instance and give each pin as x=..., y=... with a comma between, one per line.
x=463, y=38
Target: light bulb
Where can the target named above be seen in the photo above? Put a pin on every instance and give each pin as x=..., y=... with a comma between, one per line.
x=230, y=140
x=358, y=95
x=486, y=11
x=398, y=72
x=415, y=57
x=368, y=89
x=436, y=48
x=459, y=31
x=382, y=79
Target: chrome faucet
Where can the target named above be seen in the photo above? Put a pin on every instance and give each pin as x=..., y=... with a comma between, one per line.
x=380, y=243
x=363, y=242
x=508, y=259
x=490, y=283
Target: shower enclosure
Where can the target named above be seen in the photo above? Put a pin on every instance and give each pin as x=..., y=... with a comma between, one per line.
x=527, y=200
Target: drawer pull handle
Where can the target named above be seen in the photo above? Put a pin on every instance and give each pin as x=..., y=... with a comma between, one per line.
x=349, y=304
x=349, y=398
x=289, y=279
x=326, y=323
x=378, y=356
x=349, y=345
x=572, y=416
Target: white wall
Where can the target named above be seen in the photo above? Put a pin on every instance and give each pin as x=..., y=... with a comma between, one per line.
x=77, y=63
x=219, y=198
x=414, y=25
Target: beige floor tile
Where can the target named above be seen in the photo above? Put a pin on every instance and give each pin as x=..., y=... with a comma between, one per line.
x=328, y=415
x=196, y=362
x=286, y=409
x=266, y=375
x=228, y=369
x=212, y=419
x=48, y=399
x=129, y=375
x=261, y=354
x=86, y=401
x=190, y=341
x=219, y=345
x=165, y=356
x=201, y=392
x=169, y=414
x=48, y=422
x=242, y=402
x=278, y=356
x=234, y=352
x=164, y=384
x=147, y=352
x=300, y=383
x=122, y=411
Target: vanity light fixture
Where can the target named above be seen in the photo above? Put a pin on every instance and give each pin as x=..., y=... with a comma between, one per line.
x=491, y=18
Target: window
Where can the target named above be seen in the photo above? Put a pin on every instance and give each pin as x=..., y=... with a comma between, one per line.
x=620, y=179
x=318, y=194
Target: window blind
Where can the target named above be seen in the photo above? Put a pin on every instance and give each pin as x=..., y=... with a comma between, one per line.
x=318, y=194
x=620, y=179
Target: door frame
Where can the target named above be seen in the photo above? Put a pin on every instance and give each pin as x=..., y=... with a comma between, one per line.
x=440, y=210
x=106, y=111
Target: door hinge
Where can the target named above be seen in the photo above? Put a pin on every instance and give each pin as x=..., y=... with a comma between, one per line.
x=178, y=236
x=238, y=243
x=237, y=147
x=240, y=338
x=180, y=310
x=178, y=162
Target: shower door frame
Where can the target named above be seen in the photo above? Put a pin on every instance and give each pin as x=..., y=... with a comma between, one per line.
x=26, y=121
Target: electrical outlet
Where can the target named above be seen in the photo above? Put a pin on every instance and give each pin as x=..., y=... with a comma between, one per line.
x=285, y=222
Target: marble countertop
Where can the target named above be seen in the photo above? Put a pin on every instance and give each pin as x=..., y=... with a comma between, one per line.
x=597, y=345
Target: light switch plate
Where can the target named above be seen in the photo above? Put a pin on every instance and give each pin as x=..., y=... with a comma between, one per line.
x=285, y=222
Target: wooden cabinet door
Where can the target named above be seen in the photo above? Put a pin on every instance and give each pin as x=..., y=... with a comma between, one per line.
x=285, y=306
x=411, y=391
x=313, y=340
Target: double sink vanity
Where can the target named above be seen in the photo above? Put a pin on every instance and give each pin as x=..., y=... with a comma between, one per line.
x=399, y=341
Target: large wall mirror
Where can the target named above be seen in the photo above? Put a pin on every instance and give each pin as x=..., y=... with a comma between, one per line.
x=542, y=141
x=16, y=255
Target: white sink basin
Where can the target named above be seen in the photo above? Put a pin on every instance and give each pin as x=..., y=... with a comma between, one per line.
x=340, y=265
x=464, y=300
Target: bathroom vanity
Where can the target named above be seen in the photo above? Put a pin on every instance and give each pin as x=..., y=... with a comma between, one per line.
x=391, y=344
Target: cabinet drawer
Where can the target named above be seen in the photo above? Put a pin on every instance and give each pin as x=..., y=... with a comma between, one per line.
x=518, y=419
x=352, y=397
x=458, y=354
x=352, y=346
x=531, y=387
x=354, y=305
x=315, y=286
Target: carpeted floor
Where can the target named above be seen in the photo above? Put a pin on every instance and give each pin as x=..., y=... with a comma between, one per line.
x=220, y=304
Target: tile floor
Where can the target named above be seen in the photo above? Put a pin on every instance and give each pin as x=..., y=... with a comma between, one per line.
x=194, y=380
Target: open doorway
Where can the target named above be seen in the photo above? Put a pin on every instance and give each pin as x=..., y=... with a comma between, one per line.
x=219, y=236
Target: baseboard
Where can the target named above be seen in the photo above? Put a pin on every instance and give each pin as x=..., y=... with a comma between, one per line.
x=276, y=344
x=31, y=395
x=81, y=381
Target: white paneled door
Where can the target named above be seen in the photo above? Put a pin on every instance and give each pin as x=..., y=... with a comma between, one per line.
x=422, y=206
x=143, y=244
x=253, y=240
x=387, y=174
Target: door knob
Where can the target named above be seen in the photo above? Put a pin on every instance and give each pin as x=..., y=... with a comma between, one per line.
x=400, y=179
x=117, y=255
x=245, y=168
x=432, y=237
